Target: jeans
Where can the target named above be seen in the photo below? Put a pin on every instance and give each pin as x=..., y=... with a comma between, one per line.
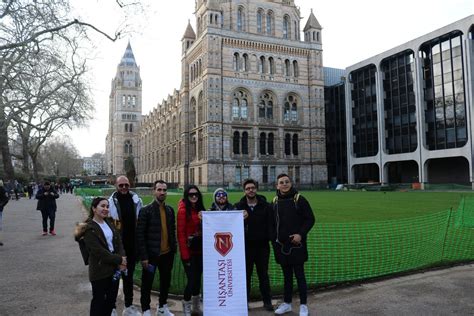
x=288, y=282
x=164, y=264
x=51, y=214
x=193, y=274
x=104, y=294
x=258, y=254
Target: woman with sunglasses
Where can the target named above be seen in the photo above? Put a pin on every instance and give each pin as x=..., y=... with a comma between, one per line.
x=189, y=231
x=106, y=256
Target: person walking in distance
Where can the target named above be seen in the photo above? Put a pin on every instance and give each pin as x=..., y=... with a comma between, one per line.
x=47, y=205
x=156, y=243
x=106, y=256
x=189, y=232
x=291, y=220
x=257, y=247
x=124, y=208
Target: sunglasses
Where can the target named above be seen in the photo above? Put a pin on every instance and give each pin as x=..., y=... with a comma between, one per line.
x=193, y=194
x=220, y=195
x=124, y=185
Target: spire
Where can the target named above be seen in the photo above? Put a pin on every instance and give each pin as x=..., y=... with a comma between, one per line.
x=128, y=58
x=312, y=23
x=189, y=33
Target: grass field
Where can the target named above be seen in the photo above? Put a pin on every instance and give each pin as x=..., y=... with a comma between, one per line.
x=352, y=206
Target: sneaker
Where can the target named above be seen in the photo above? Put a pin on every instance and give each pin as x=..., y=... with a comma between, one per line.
x=45, y=233
x=283, y=308
x=130, y=311
x=187, y=308
x=164, y=311
x=52, y=232
x=114, y=312
x=268, y=307
x=303, y=310
x=147, y=313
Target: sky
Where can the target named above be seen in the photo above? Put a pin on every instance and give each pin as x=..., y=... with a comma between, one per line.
x=352, y=31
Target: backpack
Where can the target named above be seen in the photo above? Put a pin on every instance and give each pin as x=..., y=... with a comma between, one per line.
x=295, y=199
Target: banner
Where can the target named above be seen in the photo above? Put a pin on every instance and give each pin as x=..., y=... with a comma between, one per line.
x=224, y=276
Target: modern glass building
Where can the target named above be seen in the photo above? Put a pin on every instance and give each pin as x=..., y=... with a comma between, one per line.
x=409, y=110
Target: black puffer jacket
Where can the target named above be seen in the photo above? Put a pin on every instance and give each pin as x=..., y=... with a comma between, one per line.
x=47, y=202
x=148, y=231
x=257, y=223
x=290, y=217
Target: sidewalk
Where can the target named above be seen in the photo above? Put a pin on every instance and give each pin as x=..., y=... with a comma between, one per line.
x=45, y=276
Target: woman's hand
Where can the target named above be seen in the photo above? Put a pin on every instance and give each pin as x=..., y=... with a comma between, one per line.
x=124, y=261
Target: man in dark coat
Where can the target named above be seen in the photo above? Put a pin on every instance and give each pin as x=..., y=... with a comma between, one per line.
x=290, y=223
x=47, y=205
x=156, y=244
x=257, y=248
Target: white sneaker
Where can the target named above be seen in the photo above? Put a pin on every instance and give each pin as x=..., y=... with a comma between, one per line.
x=147, y=313
x=131, y=311
x=187, y=308
x=164, y=311
x=303, y=310
x=283, y=308
x=114, y=312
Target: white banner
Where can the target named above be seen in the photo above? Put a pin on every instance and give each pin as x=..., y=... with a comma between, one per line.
x=225, y=289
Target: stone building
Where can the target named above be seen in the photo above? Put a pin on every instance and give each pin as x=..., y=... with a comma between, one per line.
x=125, y=113
x=251, y=101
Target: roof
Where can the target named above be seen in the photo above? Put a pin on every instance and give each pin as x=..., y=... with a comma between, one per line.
x=312, y=23
x=128, y=58
x=189, y=33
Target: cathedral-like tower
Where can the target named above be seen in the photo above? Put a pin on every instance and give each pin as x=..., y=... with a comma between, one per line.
x=125, y=113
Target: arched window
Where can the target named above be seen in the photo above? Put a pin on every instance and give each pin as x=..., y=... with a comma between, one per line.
x=236, y=61
x=127, y=148
x=124, y=99
x=295, y=144
x=296, y=31
x=236, y=143
x=269, y=23
x=245, y=62
x=296, y=71
x=317, y=36
x=286, y=26
x=240, y=105
x=271, y=66
x=210, y=18
x=192, y=114
x=130, y=128
x=287, y=144
x=265, y=109
x=263, y=141
x=290, y=109
x=126, y=128
x=261, y=65
x=270, y=144
x=240, y=19
x=259, y=21
x=314, y=36
x=245, y=143
x=287, y=68
x=200, y=109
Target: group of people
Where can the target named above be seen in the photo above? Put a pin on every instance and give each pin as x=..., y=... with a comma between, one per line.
x=120, y=231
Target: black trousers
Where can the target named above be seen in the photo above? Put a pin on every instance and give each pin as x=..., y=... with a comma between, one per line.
x=128, y=279
x=104, y=294
x=258, y=254
x=164, y=265
x=51, y=214
x=288, y=270
x=193, y=274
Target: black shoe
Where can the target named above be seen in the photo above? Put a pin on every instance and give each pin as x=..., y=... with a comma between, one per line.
x=1, y=243
x=268, y=307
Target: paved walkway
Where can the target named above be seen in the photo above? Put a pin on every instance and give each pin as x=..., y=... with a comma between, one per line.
x=45, y=276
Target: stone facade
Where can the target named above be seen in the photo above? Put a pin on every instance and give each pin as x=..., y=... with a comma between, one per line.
x=251, y=101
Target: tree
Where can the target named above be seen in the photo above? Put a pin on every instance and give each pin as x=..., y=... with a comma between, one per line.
x=130, y=170
x=60, y=157
x=38, y=38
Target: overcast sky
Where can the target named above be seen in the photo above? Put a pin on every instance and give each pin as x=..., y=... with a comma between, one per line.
x=352, y=31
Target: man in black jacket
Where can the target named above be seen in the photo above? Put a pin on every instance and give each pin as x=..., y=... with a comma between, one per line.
x=291, y=220
x=257, y=248
x=156, y=243
x=47, y=205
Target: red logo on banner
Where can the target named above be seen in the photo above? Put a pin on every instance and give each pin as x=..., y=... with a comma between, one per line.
x=223, y=243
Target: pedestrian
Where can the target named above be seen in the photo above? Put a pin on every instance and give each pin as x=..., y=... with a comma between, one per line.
x=4, y=198
x=291, y=220
x=221, y=201
x=257, y=247
x=156, y=242
x=16, y=190
x=47, y=205
x=30, y=190
x=189, y=232
x=106, y=259
x=124, y=208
